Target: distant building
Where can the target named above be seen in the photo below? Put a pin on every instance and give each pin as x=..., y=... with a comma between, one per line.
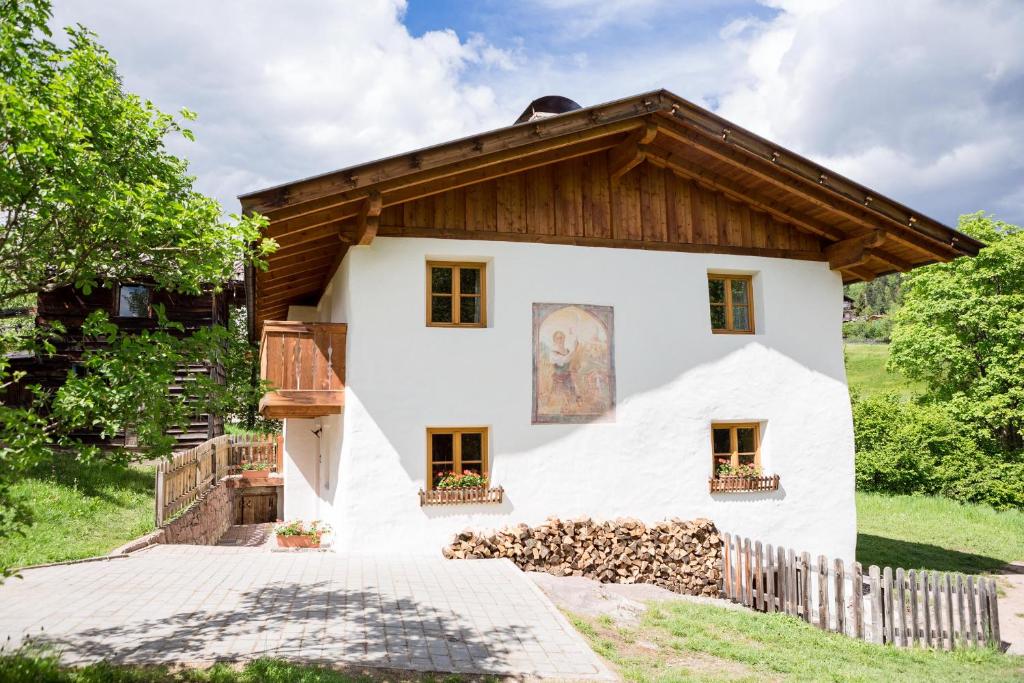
x=848, y=311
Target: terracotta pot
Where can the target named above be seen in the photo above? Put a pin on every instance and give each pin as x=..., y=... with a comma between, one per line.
x=303, y=541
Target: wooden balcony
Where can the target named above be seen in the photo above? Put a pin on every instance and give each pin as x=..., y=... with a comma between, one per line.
x=305, y=366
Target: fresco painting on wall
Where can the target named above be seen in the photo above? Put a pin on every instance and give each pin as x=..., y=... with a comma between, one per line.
x=573, y=364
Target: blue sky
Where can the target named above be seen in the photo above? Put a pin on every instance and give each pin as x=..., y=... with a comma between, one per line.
x=919, y=99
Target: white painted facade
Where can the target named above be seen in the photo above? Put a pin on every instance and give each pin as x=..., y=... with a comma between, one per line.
x=674, y=378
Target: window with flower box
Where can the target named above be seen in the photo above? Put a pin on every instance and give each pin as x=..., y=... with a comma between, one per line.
x=458, y=450
x=736, y=458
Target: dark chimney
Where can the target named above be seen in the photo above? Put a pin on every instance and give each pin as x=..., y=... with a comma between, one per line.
x=549, y=105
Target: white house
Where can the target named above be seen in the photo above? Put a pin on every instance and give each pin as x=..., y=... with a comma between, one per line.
x=613, y=311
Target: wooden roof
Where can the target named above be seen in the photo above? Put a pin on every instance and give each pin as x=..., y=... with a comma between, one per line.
x=651, y=172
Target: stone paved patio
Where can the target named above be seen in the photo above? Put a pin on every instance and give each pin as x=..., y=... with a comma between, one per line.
x=200, y=604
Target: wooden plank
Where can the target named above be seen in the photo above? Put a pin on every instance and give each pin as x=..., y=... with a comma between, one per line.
x=857, y=589
x=726, y=566
x=769, y=583
x=748, y=578
x=874, y=583
x=626, y=212
x=791, y=587
x=759, y=599
x=926, y=607
x=972, y=606
x=823, y=621
x=839, y=579
x=805, y=585
x=511, y=202
x=993, y=610
x=947, y=591
x=984, y=617
x=936, y=580
x=597, y=212
x=901, y=594
x=912, y=578
x=780, y=572
x=652, y=203
x=888, y=618
x=960, y=606
x=568, y=207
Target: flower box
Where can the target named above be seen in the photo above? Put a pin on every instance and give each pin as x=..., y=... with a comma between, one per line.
x=304, y=541
x=455, y=496
x=255, y=474
x=729, y=483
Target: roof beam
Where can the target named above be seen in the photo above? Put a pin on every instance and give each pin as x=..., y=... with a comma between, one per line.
x=855, y=252
x=780, y=177
x=630, y=153
x=368, y=219
x=687, y=169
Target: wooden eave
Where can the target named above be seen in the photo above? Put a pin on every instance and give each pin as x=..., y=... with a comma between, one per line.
x=862, y=233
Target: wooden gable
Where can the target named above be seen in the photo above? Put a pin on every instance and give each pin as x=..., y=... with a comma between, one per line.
x=576, y=202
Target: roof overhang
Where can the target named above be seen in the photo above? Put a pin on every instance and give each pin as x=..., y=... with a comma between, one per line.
x=863, y=233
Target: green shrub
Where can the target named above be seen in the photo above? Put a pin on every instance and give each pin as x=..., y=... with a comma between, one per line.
x=908, y=447
x=879, y=330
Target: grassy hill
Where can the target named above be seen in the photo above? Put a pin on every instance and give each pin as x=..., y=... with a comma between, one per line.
x=866, y=373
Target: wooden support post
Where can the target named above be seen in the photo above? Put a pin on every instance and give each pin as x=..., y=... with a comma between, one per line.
x=368, y=219
x=631, y=152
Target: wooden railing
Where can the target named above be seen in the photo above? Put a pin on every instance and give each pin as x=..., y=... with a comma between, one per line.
x=475, y=494
x=181, y=480
x=304, y=363
x=897, y=607
x=741, y=483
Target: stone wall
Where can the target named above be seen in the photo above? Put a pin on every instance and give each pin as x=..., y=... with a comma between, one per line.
x=684, y=557
x=204, y=522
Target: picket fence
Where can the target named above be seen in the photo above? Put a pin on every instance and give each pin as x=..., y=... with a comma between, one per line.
x=898, y=607
x=182, y=479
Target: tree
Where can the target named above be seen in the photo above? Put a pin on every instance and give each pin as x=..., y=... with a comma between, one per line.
x=961, y=330
x=90, y=196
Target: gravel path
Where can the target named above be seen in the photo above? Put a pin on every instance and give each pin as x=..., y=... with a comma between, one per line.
x=1011, y=607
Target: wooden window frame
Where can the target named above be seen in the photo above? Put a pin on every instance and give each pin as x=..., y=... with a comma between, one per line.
x=456, y=293
x=117, y=303
x=734, y=452
x=485, y=460
x=729, y=279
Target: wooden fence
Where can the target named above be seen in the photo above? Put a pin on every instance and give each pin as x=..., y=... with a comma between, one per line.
x=898, y=607
x=182, y=479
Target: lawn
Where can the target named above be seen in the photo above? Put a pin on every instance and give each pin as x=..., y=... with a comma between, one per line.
x=680, y=641
x=936, y=533
x=80, y=511
x=45, y=668
x=866, y=373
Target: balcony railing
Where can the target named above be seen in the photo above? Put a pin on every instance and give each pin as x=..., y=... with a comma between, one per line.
x=304, y=363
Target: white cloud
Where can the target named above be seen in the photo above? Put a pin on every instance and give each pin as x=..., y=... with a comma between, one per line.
x=921, y=100
x=918, y=99
x=287, y=90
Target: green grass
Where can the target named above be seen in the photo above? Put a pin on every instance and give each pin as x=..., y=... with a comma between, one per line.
x=866, y=373
x=29, y=667
x=679, y=641
x=80, y=511
x=936, y=533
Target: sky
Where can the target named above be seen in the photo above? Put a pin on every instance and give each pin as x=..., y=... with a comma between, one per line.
x=921, y=100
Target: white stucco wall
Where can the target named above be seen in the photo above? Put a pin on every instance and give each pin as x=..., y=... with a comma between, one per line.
x=674, y=378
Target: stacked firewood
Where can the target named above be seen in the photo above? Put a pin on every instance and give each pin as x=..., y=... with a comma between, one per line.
x=682, y=556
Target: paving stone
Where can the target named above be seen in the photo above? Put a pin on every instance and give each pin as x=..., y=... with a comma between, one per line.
x=200, y=604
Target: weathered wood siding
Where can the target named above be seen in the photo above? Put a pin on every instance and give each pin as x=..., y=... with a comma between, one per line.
x=576, y=199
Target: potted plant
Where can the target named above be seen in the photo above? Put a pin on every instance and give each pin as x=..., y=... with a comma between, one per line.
x=297, y=534
x=255, y=470
x=467, y=480
x=728, y=470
